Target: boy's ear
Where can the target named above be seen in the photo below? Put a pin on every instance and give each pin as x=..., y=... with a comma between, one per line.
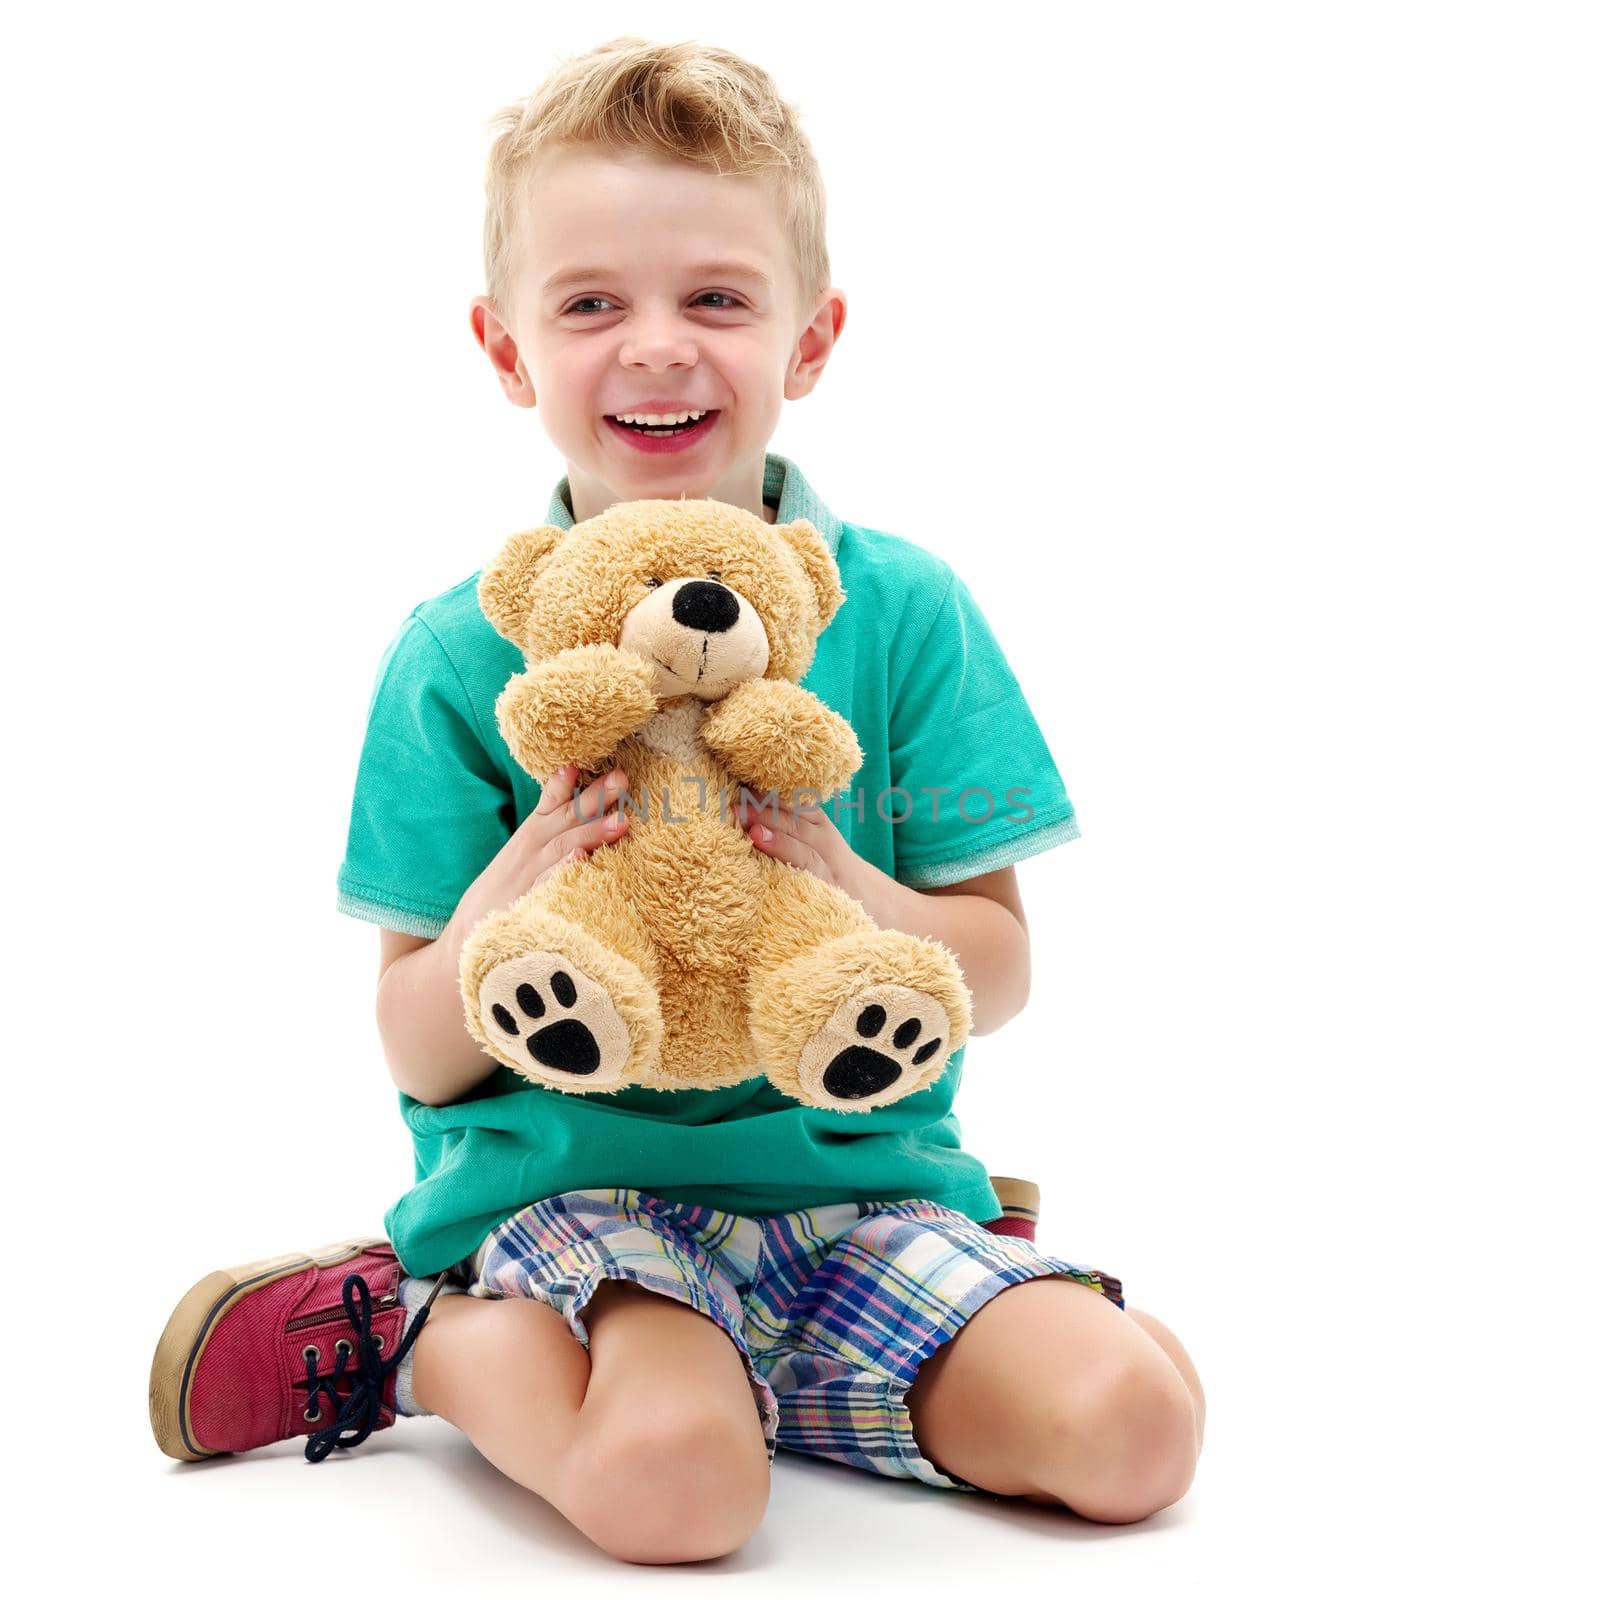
x=506, y=583
x=820, y=566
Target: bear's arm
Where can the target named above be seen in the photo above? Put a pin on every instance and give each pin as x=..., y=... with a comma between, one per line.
x=577, y=706
x=772, y=734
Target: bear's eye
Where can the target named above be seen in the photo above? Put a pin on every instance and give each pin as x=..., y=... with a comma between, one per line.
x=652, y=583
x=716, y=575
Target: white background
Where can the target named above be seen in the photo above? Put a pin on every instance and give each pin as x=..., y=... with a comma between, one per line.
x=1243, y=360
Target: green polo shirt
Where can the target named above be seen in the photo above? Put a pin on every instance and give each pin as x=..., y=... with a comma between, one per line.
x=957, y=780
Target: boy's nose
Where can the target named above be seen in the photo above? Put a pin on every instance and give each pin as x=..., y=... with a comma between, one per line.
x=706, y=607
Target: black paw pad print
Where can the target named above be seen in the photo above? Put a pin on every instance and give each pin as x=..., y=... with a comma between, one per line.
x=565, y=1045
x=860, y=1070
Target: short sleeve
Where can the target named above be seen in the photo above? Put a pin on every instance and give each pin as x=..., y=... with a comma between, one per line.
x=431, y=805
x=981, y=788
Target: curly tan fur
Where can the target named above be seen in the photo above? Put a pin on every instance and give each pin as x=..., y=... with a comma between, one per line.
x=505, y=587
x=782, y=738
x=679, y=956
x=577, y=706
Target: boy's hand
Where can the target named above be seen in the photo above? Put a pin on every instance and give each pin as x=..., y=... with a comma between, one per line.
x=807, y=837
x=548, y=836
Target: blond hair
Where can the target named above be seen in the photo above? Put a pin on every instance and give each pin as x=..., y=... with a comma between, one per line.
x=689, y=102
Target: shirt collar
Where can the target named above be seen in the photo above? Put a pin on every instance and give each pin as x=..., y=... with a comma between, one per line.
x=782, y=483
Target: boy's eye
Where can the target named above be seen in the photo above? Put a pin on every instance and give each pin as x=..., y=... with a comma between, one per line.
x=596, y=299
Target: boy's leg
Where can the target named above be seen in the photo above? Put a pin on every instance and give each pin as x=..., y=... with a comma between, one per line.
x=997, y=1366
x=1179, y=1357
x=670, y=1461
x=648, y=1443
x=510, y=1376
x=1051, y=1392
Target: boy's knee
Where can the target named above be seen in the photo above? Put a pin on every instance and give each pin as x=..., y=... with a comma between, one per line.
x=669, y=1484
x=1128, y=1448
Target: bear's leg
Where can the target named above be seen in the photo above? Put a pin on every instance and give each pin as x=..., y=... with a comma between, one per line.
x=569, y=1003
x=845, y=1014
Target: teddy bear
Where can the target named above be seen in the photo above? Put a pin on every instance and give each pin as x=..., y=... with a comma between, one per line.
x=669, y=638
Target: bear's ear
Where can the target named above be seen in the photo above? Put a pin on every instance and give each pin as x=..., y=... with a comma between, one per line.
x=820, y=566
x=505, y=587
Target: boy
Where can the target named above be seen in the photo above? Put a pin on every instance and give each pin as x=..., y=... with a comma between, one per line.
x=658, y=286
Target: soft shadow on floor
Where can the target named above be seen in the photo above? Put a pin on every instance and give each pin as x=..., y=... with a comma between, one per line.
x=816, y=1478
x=455, y=1513
x=868, y=1519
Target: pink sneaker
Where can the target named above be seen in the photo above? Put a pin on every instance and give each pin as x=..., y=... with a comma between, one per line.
x=291, y=1346
x=1019, y=1208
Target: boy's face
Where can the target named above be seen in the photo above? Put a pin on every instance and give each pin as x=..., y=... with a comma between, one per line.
x=657, y=320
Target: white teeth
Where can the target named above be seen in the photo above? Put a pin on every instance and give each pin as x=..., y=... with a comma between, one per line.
x=652, y=421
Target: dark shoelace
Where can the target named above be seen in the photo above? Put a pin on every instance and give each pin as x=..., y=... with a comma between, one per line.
x=362, y=1407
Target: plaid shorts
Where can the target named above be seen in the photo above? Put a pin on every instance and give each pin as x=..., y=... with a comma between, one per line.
x=832, y=1308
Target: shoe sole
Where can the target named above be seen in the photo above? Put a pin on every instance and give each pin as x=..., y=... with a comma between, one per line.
x=188, y=1330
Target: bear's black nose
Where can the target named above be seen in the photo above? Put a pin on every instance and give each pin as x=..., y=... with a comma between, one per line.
x=705, y=607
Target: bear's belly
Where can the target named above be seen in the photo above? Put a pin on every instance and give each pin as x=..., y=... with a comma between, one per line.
x=690, y=871
x=706, y=1040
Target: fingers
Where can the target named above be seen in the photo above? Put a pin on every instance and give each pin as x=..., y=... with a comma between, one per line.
x=762, y=819
x=569, y=824
x=773, y=829
x=579, y=822
x=571, y=855
x=602, y=830
x=557, y=791
x=560, y=793
x=599, y=796
x=787, y=847
x=757, y=809
x=579, y=842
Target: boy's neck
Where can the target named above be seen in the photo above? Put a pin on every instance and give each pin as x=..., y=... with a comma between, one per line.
x=591, y=495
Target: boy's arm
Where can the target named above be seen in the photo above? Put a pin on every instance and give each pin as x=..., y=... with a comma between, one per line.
x=959, y=724
x=980, y=919
x=433, y=1058
x=429, y=1052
